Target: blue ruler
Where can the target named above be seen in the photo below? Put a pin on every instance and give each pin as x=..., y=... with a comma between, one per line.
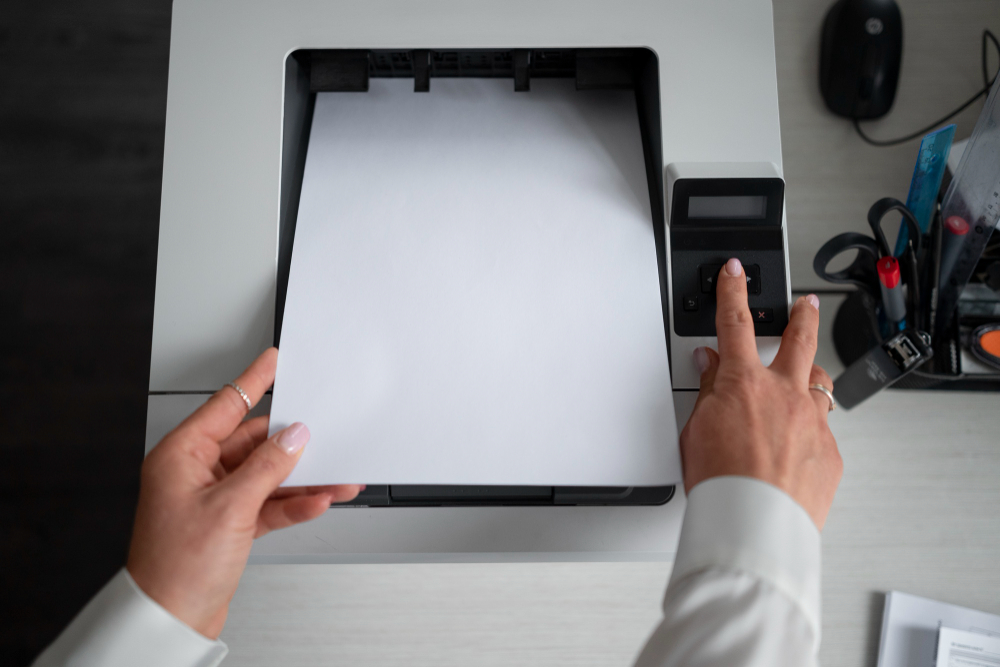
x=932, y=158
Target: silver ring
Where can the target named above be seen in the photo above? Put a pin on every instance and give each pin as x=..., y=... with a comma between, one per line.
x=246, y=399
x=829, y=394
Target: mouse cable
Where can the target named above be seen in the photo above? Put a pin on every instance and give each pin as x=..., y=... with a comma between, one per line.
x=987, y=35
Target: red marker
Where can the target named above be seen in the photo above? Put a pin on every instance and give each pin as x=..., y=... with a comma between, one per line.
x=952, y=239
x=892, y=289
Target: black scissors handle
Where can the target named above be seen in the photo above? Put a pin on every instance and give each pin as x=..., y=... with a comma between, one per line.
x=879, y=210
x=862, y=270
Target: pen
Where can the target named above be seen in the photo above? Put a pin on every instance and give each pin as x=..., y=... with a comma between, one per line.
x=955, y=230
x=935, y=258
x=892, y=290
x=913, y=284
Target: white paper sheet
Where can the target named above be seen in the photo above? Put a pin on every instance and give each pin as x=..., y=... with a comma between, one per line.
x=910, y=627
x=960, y=648
x=474, y=296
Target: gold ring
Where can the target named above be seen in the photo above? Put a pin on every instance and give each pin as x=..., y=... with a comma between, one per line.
x=246, y=399
x=829, y=394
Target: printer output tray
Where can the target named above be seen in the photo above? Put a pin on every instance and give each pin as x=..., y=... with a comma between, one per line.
x=310, y=71
x=457, y=496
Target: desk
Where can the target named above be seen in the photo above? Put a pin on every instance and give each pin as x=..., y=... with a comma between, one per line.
x=917, y=509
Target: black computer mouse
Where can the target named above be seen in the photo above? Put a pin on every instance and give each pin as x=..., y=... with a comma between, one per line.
x=860, y=54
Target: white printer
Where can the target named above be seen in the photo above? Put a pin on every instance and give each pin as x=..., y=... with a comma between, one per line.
x=242, y=82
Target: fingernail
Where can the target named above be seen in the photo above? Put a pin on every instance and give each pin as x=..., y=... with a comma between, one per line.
x=701, y=359
x=814, y=300
x=362, y=487
x=733, y=267
x=293, y=438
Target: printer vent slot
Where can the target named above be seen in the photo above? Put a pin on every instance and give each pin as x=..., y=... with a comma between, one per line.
x=607, y=68
x=349, y=70
x=342, y=70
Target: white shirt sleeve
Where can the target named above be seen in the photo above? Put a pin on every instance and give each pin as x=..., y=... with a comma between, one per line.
x=745, y=588
x=744, y=592
x=122, y=626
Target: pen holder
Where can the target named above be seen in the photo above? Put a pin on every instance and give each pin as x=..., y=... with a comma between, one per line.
x=860, y=324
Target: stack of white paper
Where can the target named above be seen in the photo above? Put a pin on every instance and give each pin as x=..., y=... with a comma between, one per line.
x=911, y=626
x=474, y=295
x=961, y=648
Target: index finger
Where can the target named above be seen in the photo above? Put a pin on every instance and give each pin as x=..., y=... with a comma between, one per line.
x=733, y=323
x=224, y=411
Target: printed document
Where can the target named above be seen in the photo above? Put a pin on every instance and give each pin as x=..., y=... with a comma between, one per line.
x=959, y=648
x=911, y=626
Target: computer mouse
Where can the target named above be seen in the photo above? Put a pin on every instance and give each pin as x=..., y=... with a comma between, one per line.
x=860, y=55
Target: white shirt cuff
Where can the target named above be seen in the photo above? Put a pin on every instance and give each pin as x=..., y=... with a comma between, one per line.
x=741, y=523
x=122, y=626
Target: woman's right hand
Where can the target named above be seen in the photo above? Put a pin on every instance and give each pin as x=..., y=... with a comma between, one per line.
x=763, y=422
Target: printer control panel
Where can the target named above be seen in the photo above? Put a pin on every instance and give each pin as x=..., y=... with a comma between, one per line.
x=711, y=220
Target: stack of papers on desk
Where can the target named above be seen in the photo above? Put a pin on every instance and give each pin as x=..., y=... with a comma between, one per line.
x=474, y=295
x=918, y=631
x=958, y=648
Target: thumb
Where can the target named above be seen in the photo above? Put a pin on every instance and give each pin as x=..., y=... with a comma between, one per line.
x=269, y=464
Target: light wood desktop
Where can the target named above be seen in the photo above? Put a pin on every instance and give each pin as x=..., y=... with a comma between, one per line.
x=918, y=509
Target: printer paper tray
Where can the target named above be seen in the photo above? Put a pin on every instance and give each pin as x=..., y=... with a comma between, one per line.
x=465, y=495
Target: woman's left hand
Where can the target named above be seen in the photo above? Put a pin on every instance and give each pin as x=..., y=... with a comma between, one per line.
x=208, y=489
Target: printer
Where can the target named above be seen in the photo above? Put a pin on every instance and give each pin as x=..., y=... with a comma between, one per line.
x=242, y=86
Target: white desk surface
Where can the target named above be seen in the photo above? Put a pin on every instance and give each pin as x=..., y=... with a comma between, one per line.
x=918, y=509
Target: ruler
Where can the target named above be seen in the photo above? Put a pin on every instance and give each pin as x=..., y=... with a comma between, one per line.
x=974, y=196
x=932, y=158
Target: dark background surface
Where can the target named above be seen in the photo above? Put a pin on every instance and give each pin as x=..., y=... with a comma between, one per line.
x=83, y=89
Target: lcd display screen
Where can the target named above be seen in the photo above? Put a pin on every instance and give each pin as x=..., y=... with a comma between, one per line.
x=745, y=208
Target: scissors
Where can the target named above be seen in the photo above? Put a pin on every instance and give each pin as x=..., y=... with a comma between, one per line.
x=862, y=272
